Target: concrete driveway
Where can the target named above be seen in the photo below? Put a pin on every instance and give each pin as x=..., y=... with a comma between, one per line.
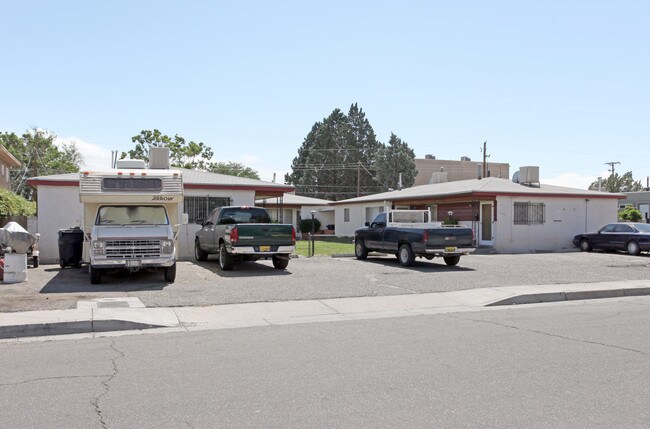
x=200, y=284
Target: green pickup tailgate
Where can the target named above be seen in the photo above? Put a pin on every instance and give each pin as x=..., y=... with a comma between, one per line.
x=265, y=234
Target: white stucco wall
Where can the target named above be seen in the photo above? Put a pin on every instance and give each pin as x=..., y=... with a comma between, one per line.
x=357, y=216
x=565, y=217
x=58, y=208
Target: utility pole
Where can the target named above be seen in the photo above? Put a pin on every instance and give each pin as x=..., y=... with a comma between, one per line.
x=485, y=157
x=612, y=164
x=358, y=178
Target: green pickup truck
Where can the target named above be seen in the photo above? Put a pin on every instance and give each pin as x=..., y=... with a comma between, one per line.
x=244, y=233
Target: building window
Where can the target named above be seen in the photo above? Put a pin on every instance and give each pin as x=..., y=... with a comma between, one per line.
x=529, y=213
x=346, y=215
x=199, y=207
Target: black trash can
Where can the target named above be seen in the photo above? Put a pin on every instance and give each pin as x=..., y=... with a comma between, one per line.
x=71, y=242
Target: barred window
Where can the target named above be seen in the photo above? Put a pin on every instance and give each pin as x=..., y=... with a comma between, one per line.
x=529, y=213
x=199, y=207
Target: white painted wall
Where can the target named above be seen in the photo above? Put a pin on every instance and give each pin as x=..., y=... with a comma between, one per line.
x=58, y=208
x=357, y=217
x=565, y=217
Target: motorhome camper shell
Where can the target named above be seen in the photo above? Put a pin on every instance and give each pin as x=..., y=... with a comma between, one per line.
x=129, y=242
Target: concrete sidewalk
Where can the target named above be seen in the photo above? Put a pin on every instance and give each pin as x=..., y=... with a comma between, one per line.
x=122, y=314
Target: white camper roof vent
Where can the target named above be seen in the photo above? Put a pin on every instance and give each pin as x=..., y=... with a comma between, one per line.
x=135, y=164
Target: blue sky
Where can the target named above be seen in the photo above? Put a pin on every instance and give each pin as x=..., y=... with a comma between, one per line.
x=560, y=84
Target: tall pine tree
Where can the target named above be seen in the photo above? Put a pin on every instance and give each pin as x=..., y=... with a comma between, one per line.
x=336, y=159
x=395, y=158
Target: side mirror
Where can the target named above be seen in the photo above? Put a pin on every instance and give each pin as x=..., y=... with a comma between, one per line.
x=367, y=224
x=185, y=219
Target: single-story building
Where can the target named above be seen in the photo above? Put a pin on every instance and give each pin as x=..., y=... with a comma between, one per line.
x=506, y=216
x=292, y=208
x=59, y=206
x=640, y=201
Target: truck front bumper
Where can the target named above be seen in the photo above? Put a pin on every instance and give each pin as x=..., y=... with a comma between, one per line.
x=132, y=264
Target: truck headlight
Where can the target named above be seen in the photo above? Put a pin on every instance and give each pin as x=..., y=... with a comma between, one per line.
x=167, y=246
x=98, y=247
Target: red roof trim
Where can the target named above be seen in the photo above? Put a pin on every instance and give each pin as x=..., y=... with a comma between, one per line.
x=44, y=182
x=240, y=187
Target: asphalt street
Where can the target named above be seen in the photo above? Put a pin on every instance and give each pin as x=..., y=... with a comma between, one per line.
x=578, y=365
x=198, y=284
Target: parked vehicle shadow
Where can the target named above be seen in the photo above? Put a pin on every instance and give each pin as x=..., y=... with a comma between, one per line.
x=435, y=265
x=245, y=269
x=74, y=280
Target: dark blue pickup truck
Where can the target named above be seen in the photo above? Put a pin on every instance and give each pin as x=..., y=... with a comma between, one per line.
x=408, y=233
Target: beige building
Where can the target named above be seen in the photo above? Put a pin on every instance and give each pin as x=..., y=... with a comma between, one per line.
x=432, y=170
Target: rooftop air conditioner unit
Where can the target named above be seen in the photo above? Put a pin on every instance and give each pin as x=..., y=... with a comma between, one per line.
x=465, y=158
x=159, y=158
x=429, y=156
x=529, y=174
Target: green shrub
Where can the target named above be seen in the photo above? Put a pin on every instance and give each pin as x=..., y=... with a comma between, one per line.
x=14, y=205
x=630, y=214
x=305, y=225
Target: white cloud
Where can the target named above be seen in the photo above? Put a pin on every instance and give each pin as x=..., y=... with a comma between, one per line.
x=95, y=156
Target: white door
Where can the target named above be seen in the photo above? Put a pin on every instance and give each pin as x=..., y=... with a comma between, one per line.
x=485, y=225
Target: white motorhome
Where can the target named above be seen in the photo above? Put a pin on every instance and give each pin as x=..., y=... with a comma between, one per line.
x=130, y=218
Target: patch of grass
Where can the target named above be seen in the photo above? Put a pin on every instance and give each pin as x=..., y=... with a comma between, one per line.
x=324, y=248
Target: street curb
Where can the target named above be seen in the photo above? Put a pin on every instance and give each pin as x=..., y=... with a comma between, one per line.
x=14, y=326
x=70, y=328
x=538, y=298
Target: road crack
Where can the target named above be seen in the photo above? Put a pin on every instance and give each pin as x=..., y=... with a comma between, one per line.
x=106, y=383
x=62, y=377
x=548, y=334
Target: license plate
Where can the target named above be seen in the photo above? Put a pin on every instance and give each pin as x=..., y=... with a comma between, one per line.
x=265, y=248
x=132, y=264
x=450, y=249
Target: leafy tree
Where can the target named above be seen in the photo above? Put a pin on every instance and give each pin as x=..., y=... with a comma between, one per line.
x=630, y=214
x=233, y=169
x=617, y=183
x=396, y=158
x=337, y=158
x=183, y=154
x=39, y=156
x=15, y=205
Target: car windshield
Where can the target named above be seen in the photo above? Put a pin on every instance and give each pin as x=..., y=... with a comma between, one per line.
x=132, y=215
